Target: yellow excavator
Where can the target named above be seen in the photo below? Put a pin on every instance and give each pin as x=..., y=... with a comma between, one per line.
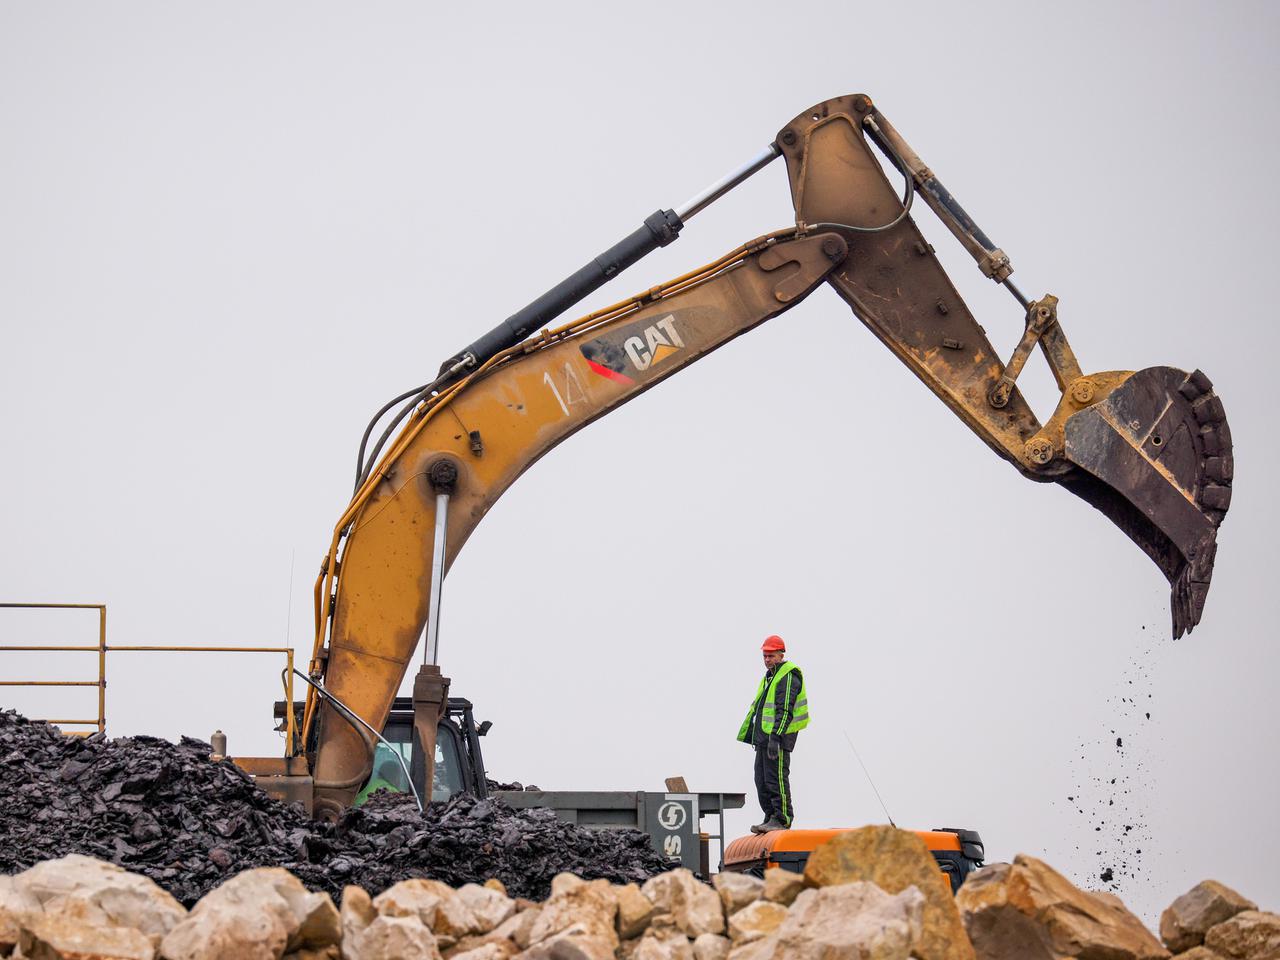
x=1150, y=449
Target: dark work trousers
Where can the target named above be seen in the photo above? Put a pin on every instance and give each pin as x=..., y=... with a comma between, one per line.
x=773, y=785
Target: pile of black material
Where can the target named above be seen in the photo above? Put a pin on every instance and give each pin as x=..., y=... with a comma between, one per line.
x=170, y=813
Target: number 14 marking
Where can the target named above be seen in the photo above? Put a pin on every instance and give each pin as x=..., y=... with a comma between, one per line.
x=573, y=392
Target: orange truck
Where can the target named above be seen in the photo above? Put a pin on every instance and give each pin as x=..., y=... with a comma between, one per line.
x=958, y=852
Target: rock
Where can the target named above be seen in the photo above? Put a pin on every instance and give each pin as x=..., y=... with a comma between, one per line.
x=575, y=942
x=404, y=938
x=125, y=899
x=738, y=889
x=894, y=860
x=782, y=886
x=15, y=905
x=695, y=906
x=436, y=905
x=75, y=929
x=1028, y=911
x=1186, y=921
x=1249, y=935
x=496, y=885
x=258, y=915
x=756, y=921
x=357, y=911
x=711, y=946
x=588, y=908
x=489, y=950
x=663, y=942
x=581, y=948
x=517, y=928
x=331, y=952
x=1199, y=953
x=563, y=882
x=854, y=921
x=634, y=911
x=489, y=907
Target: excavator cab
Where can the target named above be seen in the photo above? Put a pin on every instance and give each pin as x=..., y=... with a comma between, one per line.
x=457, y=769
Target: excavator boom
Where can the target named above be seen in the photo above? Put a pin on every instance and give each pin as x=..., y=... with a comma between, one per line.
x=1150, y=449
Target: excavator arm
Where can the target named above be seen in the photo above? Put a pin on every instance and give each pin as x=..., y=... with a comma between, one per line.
x=1151, y=450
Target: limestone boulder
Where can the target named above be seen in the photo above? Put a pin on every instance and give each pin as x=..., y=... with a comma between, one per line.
x=575, y=942
x=487, y=950
x=756, y=921
x=663, y=941
x=435, y=904
x=260, y=914
x=589, y=908
x=1199, y=953
x=564, y=882
x=782, y=886
x=1026, y=910
x=518, y=927
x=695, y=906
x=894, y=860
x=16, y=904
x=1249, y=935
x=853, y=921
x=635, y=910
x=489, y=907
x=78, y=928
x=357, y=911
x=124, y=899
x=738, y=889
x=331, y=952
x=1186, y=921
x=711, y=946
x=405, y=938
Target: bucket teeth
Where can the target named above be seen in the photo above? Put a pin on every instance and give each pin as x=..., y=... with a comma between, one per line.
x=1155, y=456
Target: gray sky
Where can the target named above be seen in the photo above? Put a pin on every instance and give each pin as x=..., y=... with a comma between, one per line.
x=229, y=232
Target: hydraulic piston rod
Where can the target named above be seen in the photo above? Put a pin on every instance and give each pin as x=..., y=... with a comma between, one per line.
x=660, y=228
x=430, y=687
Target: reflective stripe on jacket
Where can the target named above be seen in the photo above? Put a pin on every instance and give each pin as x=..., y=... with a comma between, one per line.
x=785, y=709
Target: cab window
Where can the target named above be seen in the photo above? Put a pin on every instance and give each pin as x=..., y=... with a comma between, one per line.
x=388, y=774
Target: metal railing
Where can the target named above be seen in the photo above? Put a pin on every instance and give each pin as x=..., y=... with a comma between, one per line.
x=103, y=648
x=100, y=650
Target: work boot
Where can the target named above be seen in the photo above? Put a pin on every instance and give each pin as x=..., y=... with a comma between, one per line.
x=761, y=827
x=773, y=823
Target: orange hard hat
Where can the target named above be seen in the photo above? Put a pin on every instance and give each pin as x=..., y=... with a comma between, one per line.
x=772, y=644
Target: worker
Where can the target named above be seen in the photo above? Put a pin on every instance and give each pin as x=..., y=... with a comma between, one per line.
x=778, y=713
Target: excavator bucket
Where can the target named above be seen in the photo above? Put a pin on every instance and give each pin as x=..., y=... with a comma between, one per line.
x=1155, y=456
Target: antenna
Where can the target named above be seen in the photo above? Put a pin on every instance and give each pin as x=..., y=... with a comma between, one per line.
x=868, y=776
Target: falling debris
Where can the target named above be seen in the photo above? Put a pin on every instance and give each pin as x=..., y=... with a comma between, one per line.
x=1111, y=781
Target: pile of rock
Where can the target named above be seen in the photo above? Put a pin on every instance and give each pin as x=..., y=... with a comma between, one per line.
x=1213, y=922
x=871, y=894
x=169, y=812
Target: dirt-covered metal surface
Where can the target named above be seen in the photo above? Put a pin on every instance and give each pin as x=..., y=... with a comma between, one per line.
x=169, y=812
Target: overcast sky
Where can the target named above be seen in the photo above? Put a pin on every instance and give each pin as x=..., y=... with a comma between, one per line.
x=229, y=232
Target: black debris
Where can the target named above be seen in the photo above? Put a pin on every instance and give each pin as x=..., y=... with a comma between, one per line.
x=168, y=812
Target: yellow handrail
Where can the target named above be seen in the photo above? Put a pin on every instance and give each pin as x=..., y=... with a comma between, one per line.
x=102, y=648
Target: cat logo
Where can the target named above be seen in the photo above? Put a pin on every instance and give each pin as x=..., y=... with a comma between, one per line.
x=660, y=341
x=620, y=355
